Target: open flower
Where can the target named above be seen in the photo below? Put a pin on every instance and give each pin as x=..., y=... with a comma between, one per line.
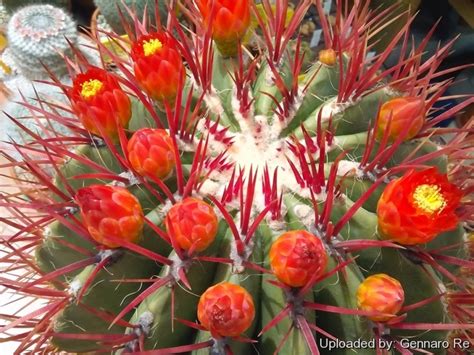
x=396, y=114
x=110, y=211
x=296, y=256
x=229, y=21
x=192, y=222
x=380, y=293
x=226, y=310
x=158, y=66
x=417, y=207
x=151, y=153
x=99, y=102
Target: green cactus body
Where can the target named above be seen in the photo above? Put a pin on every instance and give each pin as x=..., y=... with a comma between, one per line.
x=200, y=188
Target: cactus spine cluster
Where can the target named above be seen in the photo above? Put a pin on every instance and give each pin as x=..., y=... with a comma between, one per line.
x=211, y=199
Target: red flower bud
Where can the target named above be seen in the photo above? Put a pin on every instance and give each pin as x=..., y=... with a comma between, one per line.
x=380, y=293
x=226, y=310
x=151, y=153
x=158, y=66
x=417, y=207
x=110, y=211
x=98, y=101
x=192, y=221
x=229, y=21
x=296, y=256
x=401, y=112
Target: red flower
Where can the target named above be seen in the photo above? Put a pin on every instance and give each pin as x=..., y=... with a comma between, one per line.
x=380, y=293
x=296, y=256
x=110, y=211
x=158, y=66
x=417, y=207
x=98, y=101
x=230, y=21
x=192, y=222
x=401, y=112
x=151, y=153
x=226, y=310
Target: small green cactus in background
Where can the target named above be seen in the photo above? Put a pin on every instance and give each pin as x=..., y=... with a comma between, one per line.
x=113, y=9
x=13, y=5
x=211, y=199
x=38, y=36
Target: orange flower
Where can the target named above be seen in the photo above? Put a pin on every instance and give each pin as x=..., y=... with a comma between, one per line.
x=110, y=211
x=229, y=21
x=380, y=293
x=296, y=256
x=192, y=221
x=401, y=112
x=151, y=152
x=417, y=207
x=98, y=101
x=158, y=66
x=328, y=56
x=226, y=310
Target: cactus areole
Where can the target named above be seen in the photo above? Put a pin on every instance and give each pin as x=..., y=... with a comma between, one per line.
x=217, y=196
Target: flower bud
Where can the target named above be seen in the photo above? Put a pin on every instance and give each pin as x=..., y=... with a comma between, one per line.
x=380, y=293
x=192, y=221
x=226, y=310
x=110, y=211
x=296, y=256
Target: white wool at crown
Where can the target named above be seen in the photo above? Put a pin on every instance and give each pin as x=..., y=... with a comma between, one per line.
x=257, y=145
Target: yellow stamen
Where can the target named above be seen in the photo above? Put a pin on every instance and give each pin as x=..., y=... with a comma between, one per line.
x=91, y=87
x=429, y=198
x=151, y=46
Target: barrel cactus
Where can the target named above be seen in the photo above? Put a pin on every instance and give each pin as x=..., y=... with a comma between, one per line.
x=213, y=198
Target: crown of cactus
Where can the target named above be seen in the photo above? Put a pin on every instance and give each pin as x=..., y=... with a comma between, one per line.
x=247, y=205
x=39, y=36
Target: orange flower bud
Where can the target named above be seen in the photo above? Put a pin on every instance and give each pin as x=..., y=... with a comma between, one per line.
x=151, y=152
x=328, y=56
x=401, y=112
x=110, y=211
x=158, y=66
x=192, y=221
x=98, y=101
x=417, y=207
x=296, y=256
x=229, y=19
x=226, y=310
x=380, y=293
